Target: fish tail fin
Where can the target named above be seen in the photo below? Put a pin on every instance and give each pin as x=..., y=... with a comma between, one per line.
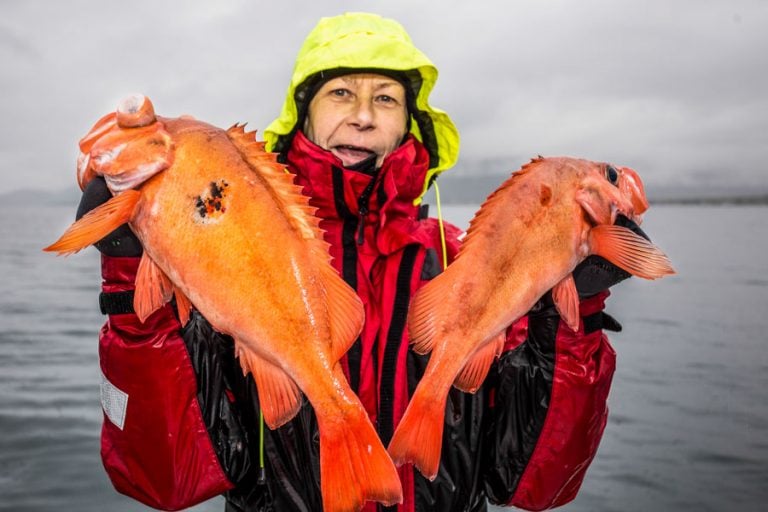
x=628, y=250
x=96, y=224
x=419, y=436
x=354, y=465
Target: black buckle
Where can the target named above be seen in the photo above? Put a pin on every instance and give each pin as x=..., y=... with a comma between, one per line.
x=116, y=303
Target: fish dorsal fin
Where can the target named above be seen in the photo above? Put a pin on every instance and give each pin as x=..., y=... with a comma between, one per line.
x=183, y=305
x=345, y=310
x=566, y=300
x=478, y=223
x=153, y=288
x=96, y=224
x=301, y=215
x=474, y=372
x=628, y=250
x=279, y=396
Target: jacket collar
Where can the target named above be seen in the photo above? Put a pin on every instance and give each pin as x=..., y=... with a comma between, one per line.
x=383, y=198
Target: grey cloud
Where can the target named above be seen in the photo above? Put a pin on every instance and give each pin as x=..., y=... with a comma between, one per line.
x=676, y=89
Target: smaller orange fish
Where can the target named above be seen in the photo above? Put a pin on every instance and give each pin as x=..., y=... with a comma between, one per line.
x=526, y=239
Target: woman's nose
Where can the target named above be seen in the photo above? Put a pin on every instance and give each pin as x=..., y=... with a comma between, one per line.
x=362, y=116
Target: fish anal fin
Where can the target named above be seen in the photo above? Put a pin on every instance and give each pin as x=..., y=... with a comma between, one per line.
x=96, y=224
x=153, y=288
x=629, y=251
x=279, y=396
x=471, y=377
x=345, y=311
x=566, y=300
x=183, y=305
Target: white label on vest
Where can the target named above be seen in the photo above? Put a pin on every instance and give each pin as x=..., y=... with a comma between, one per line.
x=114, y=402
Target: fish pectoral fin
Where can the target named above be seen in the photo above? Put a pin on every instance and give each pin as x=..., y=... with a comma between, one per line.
x=153, y=288
x=629, y=251
x=345, y=311
x=421, y=315
x=566, y=300
x=471, y=377
x=183, y=305
x=279, y=396
x=96, y=224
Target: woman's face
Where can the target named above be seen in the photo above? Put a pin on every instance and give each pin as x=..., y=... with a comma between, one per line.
x=355, y=116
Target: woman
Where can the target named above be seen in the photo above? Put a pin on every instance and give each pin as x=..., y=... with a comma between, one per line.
x=360, y=136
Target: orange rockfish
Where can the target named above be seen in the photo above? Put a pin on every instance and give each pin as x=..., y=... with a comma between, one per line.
x=526, y=239
x=225, y=230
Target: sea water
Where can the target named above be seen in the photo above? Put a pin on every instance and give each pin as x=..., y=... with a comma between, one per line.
x=688, y=423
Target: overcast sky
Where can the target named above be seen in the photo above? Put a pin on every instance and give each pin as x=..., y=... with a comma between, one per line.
x=676, y=89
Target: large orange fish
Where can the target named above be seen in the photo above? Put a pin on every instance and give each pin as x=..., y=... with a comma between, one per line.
x=526, y=239
x=225, y=229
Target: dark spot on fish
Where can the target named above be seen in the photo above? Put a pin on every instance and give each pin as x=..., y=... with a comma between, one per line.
x=212, y=204
x=545, y=195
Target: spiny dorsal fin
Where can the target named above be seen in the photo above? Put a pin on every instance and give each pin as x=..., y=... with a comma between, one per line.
x=287, y=194
x=477, y=224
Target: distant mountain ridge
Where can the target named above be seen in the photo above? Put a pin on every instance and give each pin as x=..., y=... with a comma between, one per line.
x=463, y=189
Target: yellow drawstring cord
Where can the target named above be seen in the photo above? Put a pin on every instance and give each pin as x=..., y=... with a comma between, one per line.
x=440, y=224
x=262, y=474
x=262, y=471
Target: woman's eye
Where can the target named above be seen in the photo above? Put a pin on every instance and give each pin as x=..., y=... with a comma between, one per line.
x=388, y=100
x=340, y=92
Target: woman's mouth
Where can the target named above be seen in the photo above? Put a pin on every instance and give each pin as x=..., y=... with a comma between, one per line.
x=350, y=154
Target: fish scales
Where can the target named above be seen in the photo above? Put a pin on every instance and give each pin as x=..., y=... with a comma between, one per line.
x=225, y=229
x=526, y=239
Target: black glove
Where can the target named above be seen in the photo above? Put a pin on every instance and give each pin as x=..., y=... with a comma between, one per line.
x=595, y=274
x=592, y=276
x=120, y=242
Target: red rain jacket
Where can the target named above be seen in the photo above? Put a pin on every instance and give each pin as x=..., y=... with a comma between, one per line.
x=181, y=423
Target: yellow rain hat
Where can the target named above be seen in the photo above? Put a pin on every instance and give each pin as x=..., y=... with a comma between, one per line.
x=354, y=42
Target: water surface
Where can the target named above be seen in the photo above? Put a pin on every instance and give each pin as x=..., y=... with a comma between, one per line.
x=688, y=427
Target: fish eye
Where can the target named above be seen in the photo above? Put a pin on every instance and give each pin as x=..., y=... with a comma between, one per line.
x=612, y=174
